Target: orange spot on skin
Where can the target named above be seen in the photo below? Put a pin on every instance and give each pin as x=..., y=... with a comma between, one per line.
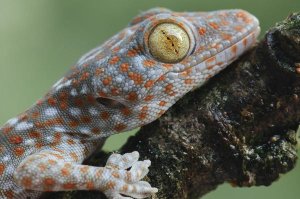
x=106, y=81
x=35, y=114
x=238, y=28
x=78, y=102
x=52, y=162
x=70, y=142
x=102, y=94
x=234, y=49
x=125, y=188
x=86, y=119
x=57, y=138
x=84, y=169
x=114, y=60
x=210, y=67
x=99, y=173
x=63, y=105
x=126, y=111
x=214, y=25
x=162, y=103
x=115, y=174
x=211, y=60
x=91, y=99
x=132, y=96
x=142, y=115
x=145, y=108
x=73, y=123
x=55, y=121
x=148, y=63
x=131, y=53
x=84, y=76
x=38, y=124
x=65, y=171
x=23, y=117
x=245, y=41
x=75, y=82
x=161, y=112
x=39, y=145
x=26, y=182
x=7, y=129
x=42, y=167
x=2, y=168
x=162, y=78
x=90, y=185
x=69, y=186
x=224, y=23
x=105, y=115
x=115, y=91
x=98, y=71
x=202, y=31
x=116, y=49
x=95, y=130
x=244, y=17
x=226, y=37
x=188, y=81
x=124, y=67
x=19, y=151
x=168, y=66
x=169, y=88
x=110, y=185
x=149, y=84
x=52, y=101
x=148, y=98
x=9, y=194
x=186, y=73
x=15, y=139
x=137, y=78
x=120, y=127
x=49, y=182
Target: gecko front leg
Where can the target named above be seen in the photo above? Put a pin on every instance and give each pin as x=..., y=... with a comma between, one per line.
x=53, y=170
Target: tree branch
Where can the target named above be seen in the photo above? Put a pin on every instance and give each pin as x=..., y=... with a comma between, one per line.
x=238, y=128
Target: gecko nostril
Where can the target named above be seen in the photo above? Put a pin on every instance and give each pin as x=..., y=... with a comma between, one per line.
x=110, y=103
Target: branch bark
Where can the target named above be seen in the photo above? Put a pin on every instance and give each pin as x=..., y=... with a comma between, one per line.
x=238, y=128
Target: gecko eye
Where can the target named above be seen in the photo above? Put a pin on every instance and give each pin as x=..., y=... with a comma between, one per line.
x=169, y=43
x=110, y=103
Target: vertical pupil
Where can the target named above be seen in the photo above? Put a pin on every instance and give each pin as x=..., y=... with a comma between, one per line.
x=169, y=43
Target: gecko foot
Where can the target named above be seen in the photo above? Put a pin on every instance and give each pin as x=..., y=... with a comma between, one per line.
x=128, y=184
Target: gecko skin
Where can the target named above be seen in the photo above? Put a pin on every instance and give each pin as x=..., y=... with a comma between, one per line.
x=114, y=88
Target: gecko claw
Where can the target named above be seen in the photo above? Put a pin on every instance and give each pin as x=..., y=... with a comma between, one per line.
x=128, y=184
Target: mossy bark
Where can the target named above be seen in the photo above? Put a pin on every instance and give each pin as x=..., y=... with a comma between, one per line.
x=239, y=128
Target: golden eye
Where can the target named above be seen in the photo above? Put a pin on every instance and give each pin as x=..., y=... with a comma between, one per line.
x=169, y=43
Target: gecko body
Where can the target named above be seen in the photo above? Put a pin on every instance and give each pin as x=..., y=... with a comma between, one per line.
x=125, y=83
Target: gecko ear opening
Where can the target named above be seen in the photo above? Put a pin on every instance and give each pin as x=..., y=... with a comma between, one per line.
x=110, y=103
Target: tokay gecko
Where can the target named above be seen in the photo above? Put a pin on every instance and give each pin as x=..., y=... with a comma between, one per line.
x=127, y=82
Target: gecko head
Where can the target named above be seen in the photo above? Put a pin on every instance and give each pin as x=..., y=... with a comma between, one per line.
x=143, y=70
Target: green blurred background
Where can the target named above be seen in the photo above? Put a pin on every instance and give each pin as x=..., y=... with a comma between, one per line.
x=40, y=39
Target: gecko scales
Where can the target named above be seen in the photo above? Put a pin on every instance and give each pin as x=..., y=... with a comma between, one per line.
x=125, y=83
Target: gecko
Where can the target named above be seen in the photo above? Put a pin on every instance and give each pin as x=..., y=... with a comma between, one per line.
x=127, y=82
